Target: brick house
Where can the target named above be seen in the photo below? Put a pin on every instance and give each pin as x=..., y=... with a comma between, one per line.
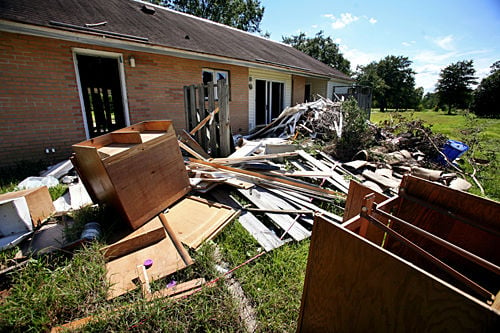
x=62, y=59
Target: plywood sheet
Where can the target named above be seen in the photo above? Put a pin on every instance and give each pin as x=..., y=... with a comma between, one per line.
x=166, y=256
x=195, y=220
x=352, y=285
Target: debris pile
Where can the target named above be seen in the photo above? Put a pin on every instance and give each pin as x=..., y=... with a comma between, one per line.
x=171, y=195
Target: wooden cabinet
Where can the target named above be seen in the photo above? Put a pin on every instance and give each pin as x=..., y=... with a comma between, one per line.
x=138, y=170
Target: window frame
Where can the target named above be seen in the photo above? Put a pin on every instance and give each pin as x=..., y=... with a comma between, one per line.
x=214, y=72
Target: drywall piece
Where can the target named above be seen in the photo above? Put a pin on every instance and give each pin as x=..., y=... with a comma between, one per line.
x=285, y=222
x=352, y=285
x=195, y=220
x=137, y=170
x=79, y=197
x=265, y=237
x=15, y=222
x=247, y=149
x=381, y=180
x=59, y=170
x=39, y=203
x=167, y=258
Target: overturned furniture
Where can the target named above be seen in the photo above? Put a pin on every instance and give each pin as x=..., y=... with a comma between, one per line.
x=425, y=260
x=138, y=170
x=21, y=212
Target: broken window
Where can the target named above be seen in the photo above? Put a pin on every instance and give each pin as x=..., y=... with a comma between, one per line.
x=214, y=75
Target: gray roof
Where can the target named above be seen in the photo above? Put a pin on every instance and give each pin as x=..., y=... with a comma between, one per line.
x=127, y=19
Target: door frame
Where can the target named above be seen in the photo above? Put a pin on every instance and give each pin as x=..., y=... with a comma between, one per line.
x=268, y=98
x=121, y=72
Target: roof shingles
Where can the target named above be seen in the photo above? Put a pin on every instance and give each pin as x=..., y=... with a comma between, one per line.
x=166, y=28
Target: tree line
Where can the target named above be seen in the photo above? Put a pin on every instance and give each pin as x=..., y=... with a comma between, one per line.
x=392, y=79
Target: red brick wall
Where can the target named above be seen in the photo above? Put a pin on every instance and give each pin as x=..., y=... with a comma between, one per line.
x=299, y=86
x=40, y=106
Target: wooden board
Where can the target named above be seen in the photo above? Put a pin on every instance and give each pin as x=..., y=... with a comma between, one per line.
x=352, y=285
x=39, y=203
x=195, y=220
x=167, y=259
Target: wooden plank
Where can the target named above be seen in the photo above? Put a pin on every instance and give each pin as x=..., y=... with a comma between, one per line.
x=188, y=140
x=247, y=149
x=168, y=292
x=133, y=243
x=39, y=203
x=285, y=182
x=177, y=289
x=166, y=255
x=187, y=107
x=350, y=287
x=336, y=179
x=285, y=222
x=196, y=220
x=191, y=151
x=224, y=118
x=235, y=160
x=265, y=237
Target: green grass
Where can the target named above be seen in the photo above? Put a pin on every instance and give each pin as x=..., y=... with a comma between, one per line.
x=482, y=135
x=273, y=282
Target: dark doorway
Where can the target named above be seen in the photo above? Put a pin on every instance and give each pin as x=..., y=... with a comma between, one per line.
x=307, y=93
x=269, y=97
x=102, y=94
x=260, y=102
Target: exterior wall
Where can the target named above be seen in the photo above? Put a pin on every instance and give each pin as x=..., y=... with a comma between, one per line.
x=299, y=86
x=40, y=105
x=269, y=75
x=318, y=87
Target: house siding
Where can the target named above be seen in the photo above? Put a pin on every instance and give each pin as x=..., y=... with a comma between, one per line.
x=268, y=75
x=40, y=105
x=299, y=86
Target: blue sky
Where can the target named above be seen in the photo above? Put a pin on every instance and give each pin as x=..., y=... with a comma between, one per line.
x=432, y=34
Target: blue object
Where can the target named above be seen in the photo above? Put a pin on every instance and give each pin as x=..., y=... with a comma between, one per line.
x=452, y=149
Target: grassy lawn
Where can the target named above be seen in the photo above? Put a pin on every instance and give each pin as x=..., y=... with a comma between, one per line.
x=482, y=135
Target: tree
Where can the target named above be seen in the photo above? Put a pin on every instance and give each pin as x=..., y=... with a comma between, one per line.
x=430, y=100
x=392, y=80
x=321, y=48
x=241, y=14
x=454, y=85
x=487, y=94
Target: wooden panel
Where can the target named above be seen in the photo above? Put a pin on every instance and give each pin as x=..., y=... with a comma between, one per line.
x=352, y=285
x=195, y=220
x=39, y=203
x=166, y=258
x=473, y=226
x=138, y=179
x=133, y=243
x=353, y=204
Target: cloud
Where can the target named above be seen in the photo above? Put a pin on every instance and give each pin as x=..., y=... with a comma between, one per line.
x=447, y=43
x=372, y=20
x=410, y=43
x=342, y=21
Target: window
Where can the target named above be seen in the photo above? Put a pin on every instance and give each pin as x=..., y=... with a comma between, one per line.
x=214, y=75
